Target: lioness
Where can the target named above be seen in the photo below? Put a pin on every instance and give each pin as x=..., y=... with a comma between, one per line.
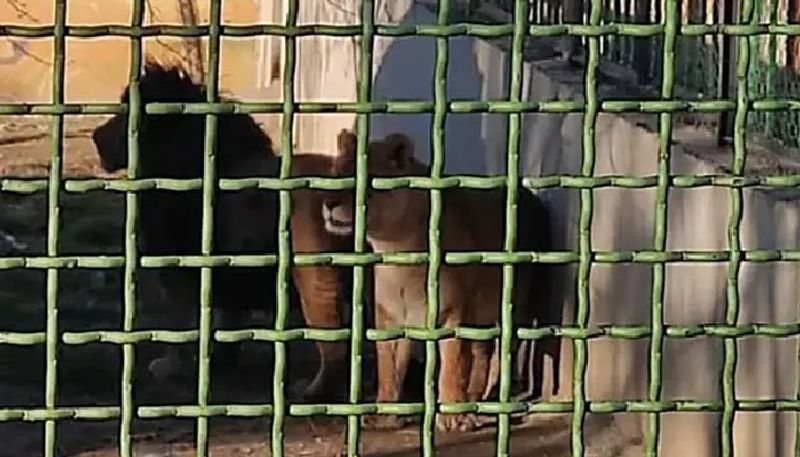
x=469, y=295
x=245, y=222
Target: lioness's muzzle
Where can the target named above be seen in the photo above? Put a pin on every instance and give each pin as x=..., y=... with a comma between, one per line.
x=334, y=224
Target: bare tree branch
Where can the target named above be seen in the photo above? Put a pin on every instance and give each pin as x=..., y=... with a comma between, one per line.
x=195, y=49
x=153, y=15
x=21, y=8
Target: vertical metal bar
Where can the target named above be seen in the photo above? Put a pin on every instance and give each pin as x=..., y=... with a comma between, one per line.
x=359, y=242
x=656, y=14
x=532, y=10
x=615, y=45
x=585, y=236
x=630, y=42
x=754, y=70
x=573, y=13
x=734, y=237
x=624, y=41
x=711, y=15
x=512, y=183
x=671, y=18
x=725, y=127
x=643, y=48
x=284, y=245
x=207, y=238
x=128, y=408
x=772, y=68
x=434, y=248
x=540, y=14
x=53, y=224
x=684, y=45
x=550, y=18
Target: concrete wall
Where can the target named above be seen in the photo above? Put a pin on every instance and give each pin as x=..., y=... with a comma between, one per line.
x=623, y=220
x=695, y=293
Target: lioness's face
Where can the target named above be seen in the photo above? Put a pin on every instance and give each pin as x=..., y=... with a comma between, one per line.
x=385, y=208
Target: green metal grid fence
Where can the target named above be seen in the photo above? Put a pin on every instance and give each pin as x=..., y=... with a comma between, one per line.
x=670, y=29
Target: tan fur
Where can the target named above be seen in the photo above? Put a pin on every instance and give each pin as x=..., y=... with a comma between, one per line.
x=320, y=287
x=469, y=295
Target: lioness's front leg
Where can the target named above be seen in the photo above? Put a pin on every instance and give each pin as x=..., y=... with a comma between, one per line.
x=454, y=376
x=393, y=359
x=479, y=369
x=320, y=292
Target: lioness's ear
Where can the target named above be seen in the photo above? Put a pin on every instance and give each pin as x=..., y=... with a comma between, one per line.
x=346, y=142
x=346, y=145
x=401, y=149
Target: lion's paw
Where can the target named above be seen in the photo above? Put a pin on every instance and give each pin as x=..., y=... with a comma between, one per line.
x=457, y=422
x=164, y=367
x=382, y=422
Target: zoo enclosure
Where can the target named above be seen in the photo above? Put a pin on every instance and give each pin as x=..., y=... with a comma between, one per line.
x=595, y=32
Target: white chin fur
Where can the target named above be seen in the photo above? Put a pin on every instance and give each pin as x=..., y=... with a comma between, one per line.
x=341, y=230
x=334, y=226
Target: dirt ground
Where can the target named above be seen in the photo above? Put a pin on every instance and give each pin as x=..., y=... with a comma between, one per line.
x=89, y=375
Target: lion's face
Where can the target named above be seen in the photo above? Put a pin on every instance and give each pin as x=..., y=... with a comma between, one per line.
x=111, y=141
x=165, y=141
x=391, y=156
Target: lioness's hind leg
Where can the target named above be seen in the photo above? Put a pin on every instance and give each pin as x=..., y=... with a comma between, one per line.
x=519, y=372
x=521, y=379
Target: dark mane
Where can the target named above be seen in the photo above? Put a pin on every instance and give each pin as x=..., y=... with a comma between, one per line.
x=245, y=221
x=172, y=84
x=160, y=83
x=172, y=146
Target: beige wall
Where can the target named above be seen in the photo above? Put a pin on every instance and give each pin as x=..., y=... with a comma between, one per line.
x=97, y=68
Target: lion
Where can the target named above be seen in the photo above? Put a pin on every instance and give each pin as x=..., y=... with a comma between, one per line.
x=245, y=222
x=469, y=295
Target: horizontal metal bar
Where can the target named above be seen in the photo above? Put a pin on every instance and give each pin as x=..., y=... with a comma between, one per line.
x=428, y=30
x=79, y=186
x=103, y=413
x=622, y=332
x=403, y=107
x=344, y=259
